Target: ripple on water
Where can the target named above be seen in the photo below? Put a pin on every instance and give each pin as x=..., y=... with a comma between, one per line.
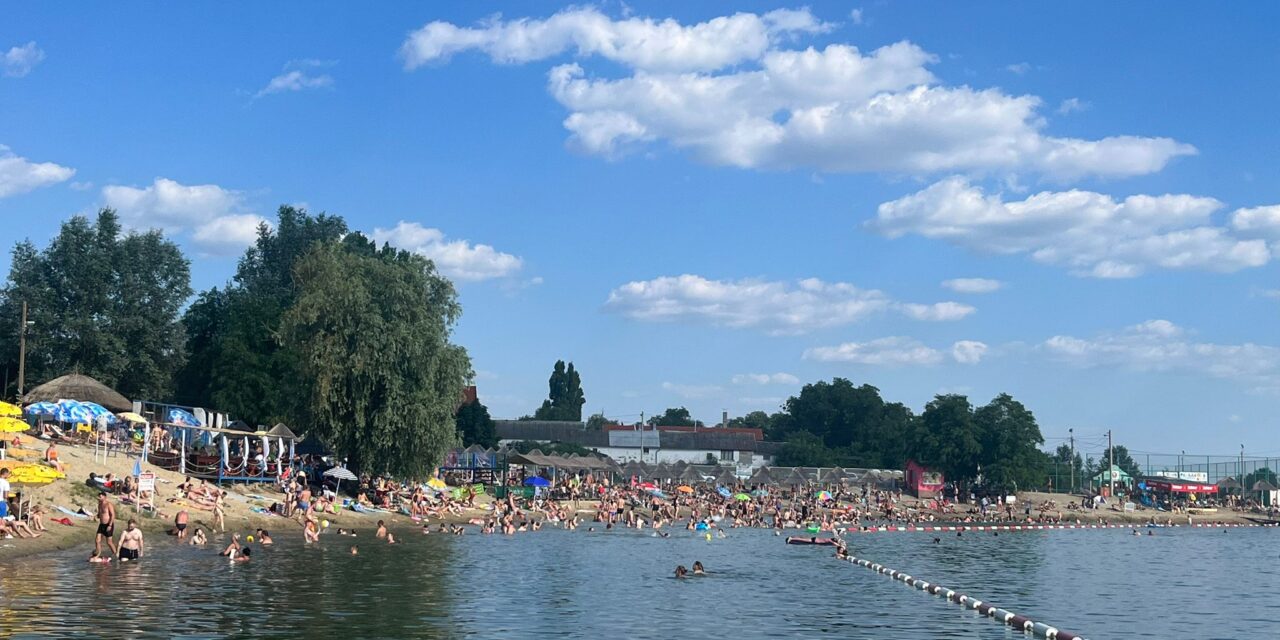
x=588, y=585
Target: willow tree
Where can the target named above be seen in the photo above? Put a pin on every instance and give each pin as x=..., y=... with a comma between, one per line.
x=379, y=378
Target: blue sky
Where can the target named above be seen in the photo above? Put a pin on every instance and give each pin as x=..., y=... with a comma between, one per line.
x=709, y=207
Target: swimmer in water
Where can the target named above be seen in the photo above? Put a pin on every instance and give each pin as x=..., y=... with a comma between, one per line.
x=355, y=551
x=698, y=570
x=681, y=571
x=242, y=555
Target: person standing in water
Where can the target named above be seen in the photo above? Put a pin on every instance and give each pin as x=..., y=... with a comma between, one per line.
x=131, y=543
x=106, y=526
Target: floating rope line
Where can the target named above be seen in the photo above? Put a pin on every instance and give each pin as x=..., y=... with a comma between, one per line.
x=1040, y=527
x=1021, y=623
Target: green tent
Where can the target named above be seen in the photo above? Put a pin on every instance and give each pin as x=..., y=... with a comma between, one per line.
x=1104, y=477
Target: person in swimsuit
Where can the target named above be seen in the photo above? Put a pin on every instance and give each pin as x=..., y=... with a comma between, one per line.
x=382, y=530
x=698, y=570
x=264, y=538
x=180, y=524
x=198, y=538
x=242, y=555
x=233, y=547
x=106, y=526
x=681, y=571
x=131, y=544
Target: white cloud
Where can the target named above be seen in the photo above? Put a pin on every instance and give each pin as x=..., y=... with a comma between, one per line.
x=692, y=391
x=937, y=312
x=856, y=16
x=1258, y=222
x=765, y=378
x=973, y=285
x=762, y=401
x=968, y=351
x=217, y=218
x=641, y=43
x=1019, y=68
x=228, y=234
x=457, y=259
x=19, y=61
x=727, y=91
x=777, y=307
x=1089, y=233
x=19, y=175
x=1072, y=105
x=1162, y=346
x=297, y=77
x=892, y=351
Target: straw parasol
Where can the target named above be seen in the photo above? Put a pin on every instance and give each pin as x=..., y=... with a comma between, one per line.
x=78, y=387
x=281, y=431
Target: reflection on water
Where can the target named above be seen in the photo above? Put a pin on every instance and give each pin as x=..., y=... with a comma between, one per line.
x=1179, y=583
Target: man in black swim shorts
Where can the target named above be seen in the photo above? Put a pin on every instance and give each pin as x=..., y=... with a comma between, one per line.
x=106, y=526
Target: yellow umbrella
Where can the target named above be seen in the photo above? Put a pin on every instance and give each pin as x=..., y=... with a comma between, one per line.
x=10, y=410
x=13, y=425
x=132, y=417
x=437, y=483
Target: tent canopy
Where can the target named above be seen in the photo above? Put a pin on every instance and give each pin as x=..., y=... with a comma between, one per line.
x=281, y=431
x=78, y=387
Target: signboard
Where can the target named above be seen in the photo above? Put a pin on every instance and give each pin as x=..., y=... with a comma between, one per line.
x=146, y=482
x=1190, y=476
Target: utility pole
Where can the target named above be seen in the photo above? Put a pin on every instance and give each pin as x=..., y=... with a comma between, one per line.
x=1111, y=465
x=1072, y=461
x=22, y=352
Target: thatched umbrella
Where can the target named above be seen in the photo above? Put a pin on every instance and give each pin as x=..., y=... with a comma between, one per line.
x=834, y=475
x=690, y=475
x=727, y=478
x=761, y=477
x=281, y=431
x=794, y=479
x=78, y=387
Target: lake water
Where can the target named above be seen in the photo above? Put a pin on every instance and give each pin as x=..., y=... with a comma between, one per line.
x=1181, y=583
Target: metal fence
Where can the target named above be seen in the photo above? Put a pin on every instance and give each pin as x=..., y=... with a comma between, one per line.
x=1213, y=468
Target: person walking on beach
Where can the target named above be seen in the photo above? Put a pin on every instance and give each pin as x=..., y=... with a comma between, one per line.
x=106, y=526
x=131, y=545
x=179, y=524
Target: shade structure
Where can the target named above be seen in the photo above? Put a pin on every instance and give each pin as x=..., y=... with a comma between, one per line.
x=761, y=476
x=537, y=481
x=180, y=417
x=129, y=416
x=41, y=409
x=281, y=431
x=10, y=410
x=340, y=473
x=73, y=411
x=78, y=387
x=13, y=425
x=684, y=488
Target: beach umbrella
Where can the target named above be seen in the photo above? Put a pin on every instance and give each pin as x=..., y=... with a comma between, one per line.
x=824, y=495
x=129, y=416
x=724, y=492
x=537, y=481
x=742, y=497
x=73, y=411
x=99, y=411
x=10, y=410
x=42, y=409
x=759, y=493
x=79, y=387
x=684, y=488
x=657, y=493
x=13, y=425
x=341, y=473
x=437, y=483
x=648, y=486
x=180, y=417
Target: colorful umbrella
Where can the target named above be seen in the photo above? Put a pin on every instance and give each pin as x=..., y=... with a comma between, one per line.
x=130, y=416
x=824, y=495
x=99, y=411
x=759, y=493
x=180, y=417
x=42, y=409
x=437, y=483
x=657, y=493
x=742, y=497
x=724, y=492
x=73, y=411
x=10, y=410
x=648, y=486
x=13, y=425
x=684, y=488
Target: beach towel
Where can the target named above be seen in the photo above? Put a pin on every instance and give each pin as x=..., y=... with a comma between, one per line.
x=72, y=513
x=66, y=521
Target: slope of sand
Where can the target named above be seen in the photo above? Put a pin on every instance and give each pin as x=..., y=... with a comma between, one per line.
x=74, y=494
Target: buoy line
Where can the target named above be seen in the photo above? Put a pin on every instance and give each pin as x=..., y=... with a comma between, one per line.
x=1021, y=623
x=1036, y=527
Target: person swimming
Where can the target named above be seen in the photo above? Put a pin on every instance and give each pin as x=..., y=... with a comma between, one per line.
x=242, y=555
x=355, y=551
x=681, y=571
x=698, y=569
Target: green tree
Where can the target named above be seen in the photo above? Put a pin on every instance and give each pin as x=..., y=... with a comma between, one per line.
x=102, y=303
x=1011, y=457
x=239, y=364
x=674, y=417
x=856, y=421
x=948, y=438
x=753, y=420
x=1262, y=474
x=597, y=421
x=379, y=380
x=565, y=398
x=475, y=426
x=804, y=449
x=1123, y=460
x=1064, y=461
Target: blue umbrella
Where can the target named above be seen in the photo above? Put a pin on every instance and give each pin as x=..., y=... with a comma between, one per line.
x=537, y=481
x=73, y=411
x=98, y=410
x=724, y=492
x=41, y=409
x=178, y=416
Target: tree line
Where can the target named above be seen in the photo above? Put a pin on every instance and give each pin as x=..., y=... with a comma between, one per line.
x=319, y=328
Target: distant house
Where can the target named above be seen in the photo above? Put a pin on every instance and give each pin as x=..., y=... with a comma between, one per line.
x=743, y=448
x=921, y=481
